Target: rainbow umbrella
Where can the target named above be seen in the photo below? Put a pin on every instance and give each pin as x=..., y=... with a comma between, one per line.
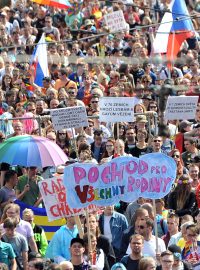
x=31, y=151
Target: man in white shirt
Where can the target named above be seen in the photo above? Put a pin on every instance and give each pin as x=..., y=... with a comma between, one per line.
x=50, y=30
x=145, y=228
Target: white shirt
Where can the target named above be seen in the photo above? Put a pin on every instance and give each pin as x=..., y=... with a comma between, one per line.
x=106, y=228
x=149, y=248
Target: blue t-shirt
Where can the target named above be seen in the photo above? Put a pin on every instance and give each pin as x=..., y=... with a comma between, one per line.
x=6, y=253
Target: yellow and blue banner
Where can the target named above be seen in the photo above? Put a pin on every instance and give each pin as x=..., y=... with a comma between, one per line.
x=41, y=219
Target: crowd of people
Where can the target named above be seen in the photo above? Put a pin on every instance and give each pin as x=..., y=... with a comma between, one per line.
x=87, y=62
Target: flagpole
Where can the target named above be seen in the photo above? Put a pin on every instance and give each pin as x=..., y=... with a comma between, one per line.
x=171, y=64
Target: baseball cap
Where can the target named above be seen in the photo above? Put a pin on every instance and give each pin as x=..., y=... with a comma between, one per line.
x=88, y=22
x=47, y=79
x=183, y=124
x=176, y=250
x=33, y=255
x=147, y=97
x=77, y=240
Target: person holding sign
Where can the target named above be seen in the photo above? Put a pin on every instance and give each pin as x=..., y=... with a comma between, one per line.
x=102, y=242
x=96, y=256
x=58, y=248
x=145, y=228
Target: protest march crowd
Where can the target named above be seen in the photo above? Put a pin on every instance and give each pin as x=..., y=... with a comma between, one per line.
x=88, y=60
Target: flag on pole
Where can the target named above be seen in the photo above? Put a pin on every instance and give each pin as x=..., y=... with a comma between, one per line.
x=54, y=3
x=40, y=62
x=176, y=27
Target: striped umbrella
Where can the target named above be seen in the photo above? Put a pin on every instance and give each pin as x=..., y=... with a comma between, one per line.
x=31, y=151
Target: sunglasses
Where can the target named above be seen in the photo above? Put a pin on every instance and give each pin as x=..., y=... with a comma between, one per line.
x=193, y=235
x=165, y=261
x=157, y=140
x=141, y=227
x=177, y=156
x=70, y=92
x=94, y=101
x=60, y=133
x=109, y=145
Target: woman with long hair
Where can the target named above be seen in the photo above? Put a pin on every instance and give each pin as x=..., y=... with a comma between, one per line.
x=102, y=241
x=139, y=108
x=85, y=154
x=182, y=200
x=141, y=147
x=6, y=83
x=95, y=256
x=122, y=131
x=63, y=140
x=109, y=150
x=176, y=155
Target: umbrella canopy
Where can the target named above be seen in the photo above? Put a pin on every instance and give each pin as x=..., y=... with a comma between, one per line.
x=31, y=151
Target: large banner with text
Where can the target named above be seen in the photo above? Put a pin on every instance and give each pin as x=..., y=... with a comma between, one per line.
x=54, y=197
x=123, y=178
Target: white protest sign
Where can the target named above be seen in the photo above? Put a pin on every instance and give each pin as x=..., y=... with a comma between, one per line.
x=115, y=21
x=54, y=197
x=116, y=109
x=181, y=107
x=72, y=117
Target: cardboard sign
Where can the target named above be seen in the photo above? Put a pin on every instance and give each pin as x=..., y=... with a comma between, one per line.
x=115, y=21
x=123, y=178
x=116, y=109
x=181, y=107
x=71, y=117
x=54, y=196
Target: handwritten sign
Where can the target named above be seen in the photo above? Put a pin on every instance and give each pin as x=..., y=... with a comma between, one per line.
x=116, y=109
x=124, y=178
x=72, y=117
x=181, y=107
x=54, y=196
x=115, y=21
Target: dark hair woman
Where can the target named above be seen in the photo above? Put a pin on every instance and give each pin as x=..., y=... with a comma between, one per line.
x=7, y=83
x=109, y=150
x=182, y=200
x=102, y=242
x=176, y=155
x=63, y=140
